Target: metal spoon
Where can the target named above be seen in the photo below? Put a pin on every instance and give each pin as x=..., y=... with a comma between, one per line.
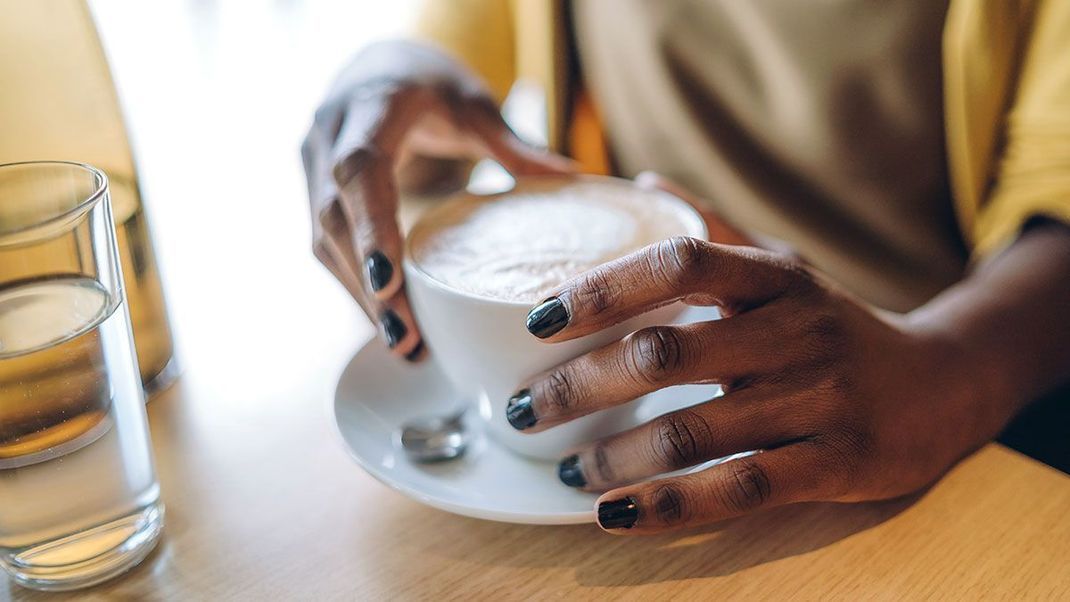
x=436, y=438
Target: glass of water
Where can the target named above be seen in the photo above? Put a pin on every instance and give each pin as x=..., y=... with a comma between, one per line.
x=79, y=500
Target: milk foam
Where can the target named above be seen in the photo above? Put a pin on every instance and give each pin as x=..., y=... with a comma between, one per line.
x=522, y=245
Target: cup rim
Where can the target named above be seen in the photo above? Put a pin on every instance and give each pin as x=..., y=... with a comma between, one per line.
x=414, y=268
x=64, y=216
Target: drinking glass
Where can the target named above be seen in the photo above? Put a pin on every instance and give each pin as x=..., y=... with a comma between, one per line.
x=79, y=500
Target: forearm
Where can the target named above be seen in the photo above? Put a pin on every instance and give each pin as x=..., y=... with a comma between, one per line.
x=1008, y=323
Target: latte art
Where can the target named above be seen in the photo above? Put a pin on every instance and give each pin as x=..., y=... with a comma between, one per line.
x=521, y=245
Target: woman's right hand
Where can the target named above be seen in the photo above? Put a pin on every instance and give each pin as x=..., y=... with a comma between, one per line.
x=398, y=107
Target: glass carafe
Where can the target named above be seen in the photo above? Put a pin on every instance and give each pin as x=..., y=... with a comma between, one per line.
x=59, y=103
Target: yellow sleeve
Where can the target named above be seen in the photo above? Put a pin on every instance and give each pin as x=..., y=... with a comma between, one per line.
x=479, y=33
x=1032, y=175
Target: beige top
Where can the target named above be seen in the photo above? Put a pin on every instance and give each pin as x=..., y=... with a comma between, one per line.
x=819, y=122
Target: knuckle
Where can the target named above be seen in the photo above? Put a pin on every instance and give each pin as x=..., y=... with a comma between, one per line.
x=559, y=391
x=352, y=161
x=656, y=354
x=598, y=292
x=447, y=92
x=670, y=505
x=321, y=251
x=843, y=466
x=325, y=115
x=825, y=335
x=825, y=327
x=844, y=455
x=747, y=487
x=831, y=400
x=799, y=279
x=838, y=386
x=679, y=439
x=330, y=217
x=603, y=467
x=683, y=259
x=476, y=98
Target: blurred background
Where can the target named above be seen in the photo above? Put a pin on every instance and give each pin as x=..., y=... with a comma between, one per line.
x=218, y=96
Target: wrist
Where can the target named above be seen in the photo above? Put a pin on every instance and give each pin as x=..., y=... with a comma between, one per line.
x=965, y=374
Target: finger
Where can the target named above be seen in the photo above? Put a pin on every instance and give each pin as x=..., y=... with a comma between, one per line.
x=721, y=351
x=363, y=171
x=720, y=229
x=795, y=473
x=741, y=421
x=736, y=278
x=316, y=158
x=369, y=203
x=333, y=251
x=393, y=317
x=516, y=156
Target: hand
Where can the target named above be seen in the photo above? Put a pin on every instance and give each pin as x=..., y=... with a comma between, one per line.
x=394, y=107
x=845, y=402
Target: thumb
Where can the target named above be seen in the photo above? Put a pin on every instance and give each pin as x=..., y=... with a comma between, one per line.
x=518, y=157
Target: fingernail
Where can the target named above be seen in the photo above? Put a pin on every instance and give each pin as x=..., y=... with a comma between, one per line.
x=547, y=318
x=519, y=411
x=618, y=514
x=393, y=328
x=569, y=472
x=380, y=270
x=413, y=355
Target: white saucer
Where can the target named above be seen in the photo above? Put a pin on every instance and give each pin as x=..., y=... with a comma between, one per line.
x=377, y=393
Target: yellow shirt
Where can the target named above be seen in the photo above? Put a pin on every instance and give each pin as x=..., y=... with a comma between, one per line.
x=1006, y=67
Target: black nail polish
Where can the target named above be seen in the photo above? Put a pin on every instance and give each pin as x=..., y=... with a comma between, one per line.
x=618, y=514
x=415, y=353
x=519, y=411
x=547, y=318
x=380, y=270
x=393, y=328
x=570, y=473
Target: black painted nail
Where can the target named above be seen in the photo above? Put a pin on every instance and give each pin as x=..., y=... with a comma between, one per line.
x=380, y=270
x=393, y=328
x=547, y=318
x=519, y=411
x=569, y=472
x=413, y=355
x=618, y=514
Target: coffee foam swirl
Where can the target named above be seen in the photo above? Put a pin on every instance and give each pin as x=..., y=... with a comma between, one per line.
x=521, y=245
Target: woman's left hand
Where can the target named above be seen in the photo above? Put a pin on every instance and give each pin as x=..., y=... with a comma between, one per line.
x=846, y=402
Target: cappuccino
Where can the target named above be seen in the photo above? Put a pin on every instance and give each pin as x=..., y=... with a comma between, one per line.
x=476, y=264
x=520, y=245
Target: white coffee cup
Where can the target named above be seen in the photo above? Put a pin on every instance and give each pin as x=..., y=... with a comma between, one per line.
x=483, y=347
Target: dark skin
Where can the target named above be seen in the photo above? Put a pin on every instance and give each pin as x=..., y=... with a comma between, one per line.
x=399, y=109
x=847, y=402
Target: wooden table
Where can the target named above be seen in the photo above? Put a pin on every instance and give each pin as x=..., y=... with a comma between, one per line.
x=262, y=500
x=263, y=503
